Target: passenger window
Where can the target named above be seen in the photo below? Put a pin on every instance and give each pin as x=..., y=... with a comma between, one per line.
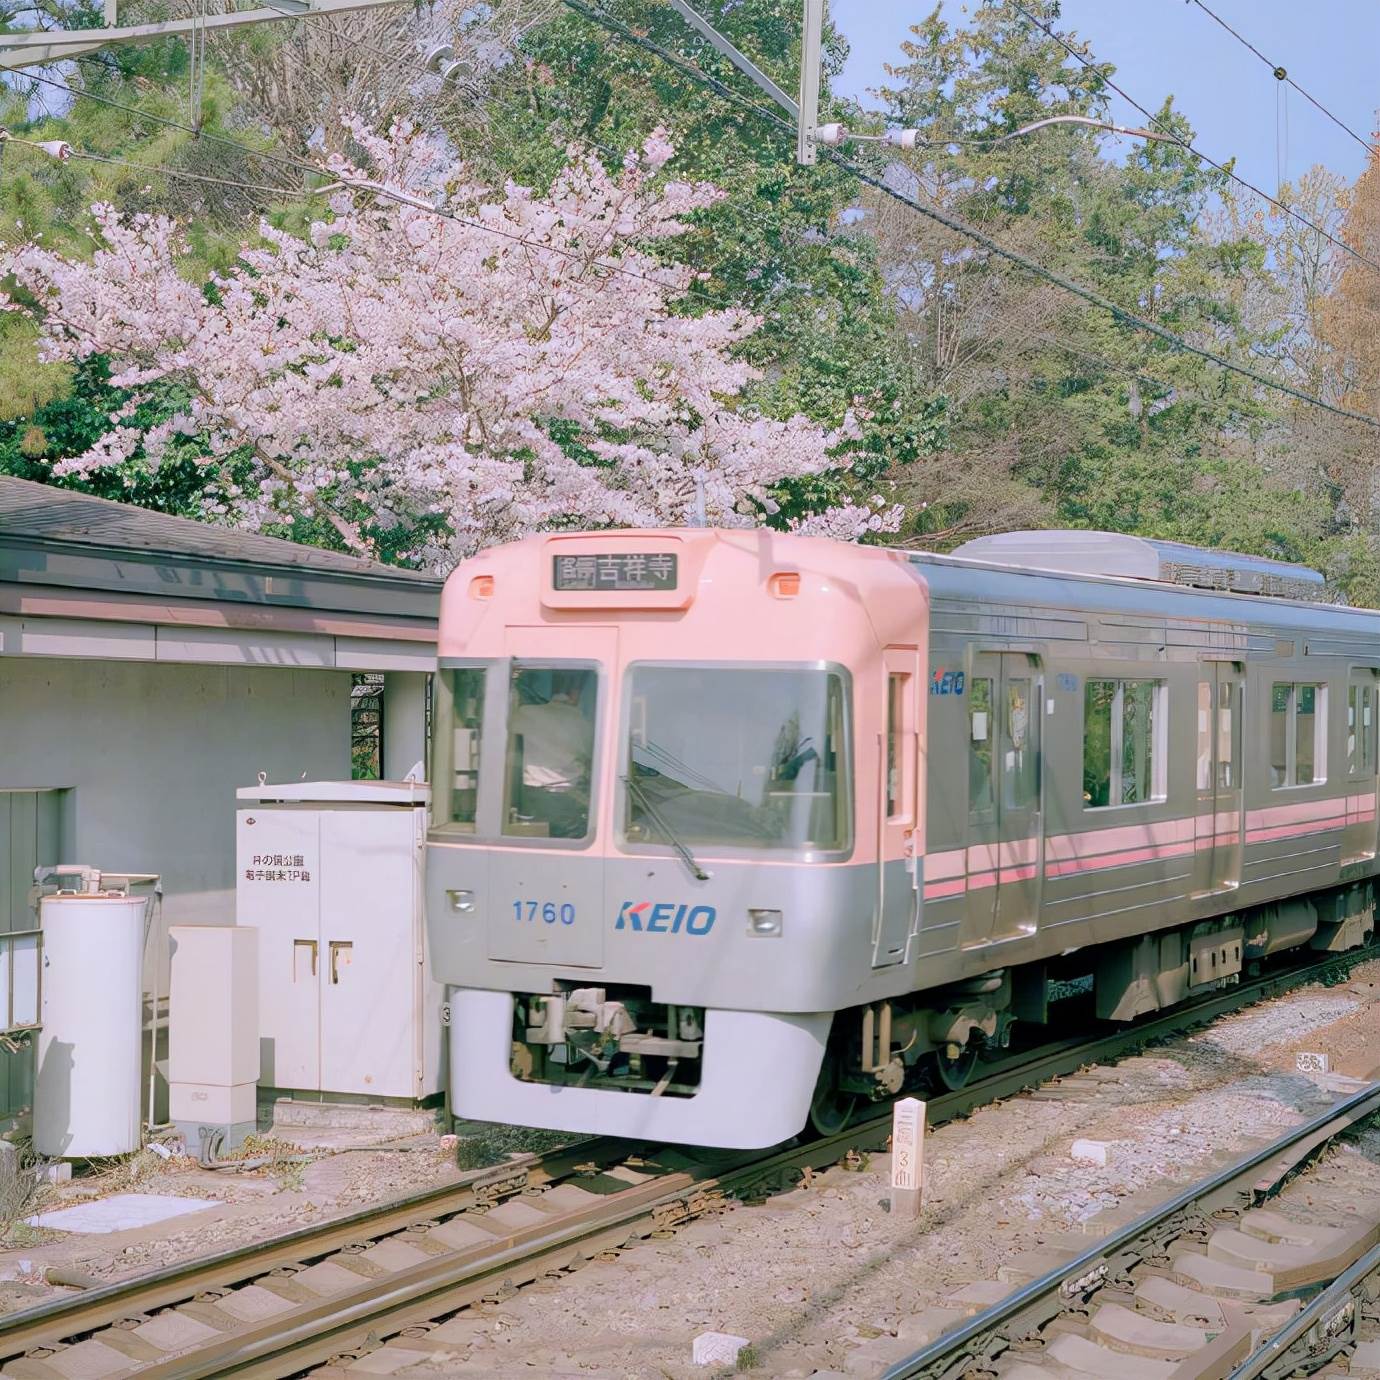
x=981, y=732
x=1204, y=772
x=467, y=695
x=1226, y=736
x=1298, y=734
x=1123, y=742
x=895, y=725
x=1360, y=729
x=1281, y=701
x=1368, y=705
x=550, y=752
x=1020, y=761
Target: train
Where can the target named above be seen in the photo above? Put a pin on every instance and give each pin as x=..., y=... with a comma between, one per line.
x=736, y=832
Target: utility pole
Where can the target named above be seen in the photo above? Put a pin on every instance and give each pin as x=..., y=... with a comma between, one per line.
x=804, y=112
x=811, y=41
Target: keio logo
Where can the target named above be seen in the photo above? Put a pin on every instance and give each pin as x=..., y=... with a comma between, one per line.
x=665, y=917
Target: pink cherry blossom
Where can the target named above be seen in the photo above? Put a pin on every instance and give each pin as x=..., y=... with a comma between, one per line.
x=512, y=362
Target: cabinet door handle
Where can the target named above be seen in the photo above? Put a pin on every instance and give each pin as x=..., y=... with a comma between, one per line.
x=338, y=947
x=310, y=946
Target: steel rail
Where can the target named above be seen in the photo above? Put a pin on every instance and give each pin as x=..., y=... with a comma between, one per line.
x=103, y=1306
x=464, y=1276
x=1030, y=1305
x=1314, y=1334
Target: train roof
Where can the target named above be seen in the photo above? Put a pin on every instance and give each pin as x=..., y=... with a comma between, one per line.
x=1016, y=578
x=1078, y=552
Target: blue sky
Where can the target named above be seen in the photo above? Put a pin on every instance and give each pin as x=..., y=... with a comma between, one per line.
x=1159, y=47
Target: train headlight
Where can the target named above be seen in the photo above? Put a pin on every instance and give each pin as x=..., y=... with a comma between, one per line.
x=461, y=900
x=764, y=924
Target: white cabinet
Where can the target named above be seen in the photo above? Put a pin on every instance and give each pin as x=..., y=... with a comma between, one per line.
x=330, y=874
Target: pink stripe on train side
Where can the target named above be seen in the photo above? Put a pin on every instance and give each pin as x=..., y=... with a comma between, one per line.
x=938, y=866
x=1069, y=847
x=1153, y=853
x=1282, y=831
x=1126, y=845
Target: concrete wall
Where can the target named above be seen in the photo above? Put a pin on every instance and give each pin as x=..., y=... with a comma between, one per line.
x=150, y=755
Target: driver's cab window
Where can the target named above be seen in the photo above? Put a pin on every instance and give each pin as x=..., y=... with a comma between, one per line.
x=550, y=753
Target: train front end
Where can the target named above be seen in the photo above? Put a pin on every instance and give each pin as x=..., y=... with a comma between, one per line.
x=665, y=848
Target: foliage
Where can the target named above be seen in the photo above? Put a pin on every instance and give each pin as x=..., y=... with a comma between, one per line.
x=973, y=394
x=440, y=381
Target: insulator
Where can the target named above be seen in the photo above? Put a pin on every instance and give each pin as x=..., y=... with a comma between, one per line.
x=436, y=55
x=455, y=71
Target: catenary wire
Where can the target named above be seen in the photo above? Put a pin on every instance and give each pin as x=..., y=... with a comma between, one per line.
x=1288, y=210
x=950, y=222
x=300, y=165
x=1282, y=75
x=159, y=170
x=1032, y=266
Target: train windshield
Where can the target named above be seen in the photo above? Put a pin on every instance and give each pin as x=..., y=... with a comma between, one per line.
x=748, y=758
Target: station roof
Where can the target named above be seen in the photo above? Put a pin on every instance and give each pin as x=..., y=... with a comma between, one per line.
x=68, y=554
x=42, y=511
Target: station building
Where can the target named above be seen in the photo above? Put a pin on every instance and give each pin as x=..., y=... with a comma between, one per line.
x=151, y=665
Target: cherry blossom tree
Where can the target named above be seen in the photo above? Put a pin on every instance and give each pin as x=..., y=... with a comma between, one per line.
x=472, y=364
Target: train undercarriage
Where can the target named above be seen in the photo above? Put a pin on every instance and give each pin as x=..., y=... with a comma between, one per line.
x=931, y=1040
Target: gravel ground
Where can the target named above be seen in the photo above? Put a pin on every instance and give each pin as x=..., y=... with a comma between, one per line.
x=278, y=1198
x=823, y=1279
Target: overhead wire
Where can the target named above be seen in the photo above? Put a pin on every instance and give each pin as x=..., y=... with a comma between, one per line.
x=375, y=188
x=1080, y=56
x=1281, y=75
x=959, y=227
x=953, y=223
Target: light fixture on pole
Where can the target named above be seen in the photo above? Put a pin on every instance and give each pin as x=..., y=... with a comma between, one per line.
x=832, y=135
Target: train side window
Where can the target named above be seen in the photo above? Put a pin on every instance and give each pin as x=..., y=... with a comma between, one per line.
x=467, y=695
x=1020, y=760
x=1228, y=744
x=1368, y=705
x=895, y=726
x=1204, y=771
x=1298, y=734
x=1124, y=742
x=981, y=733
x=1360, y=729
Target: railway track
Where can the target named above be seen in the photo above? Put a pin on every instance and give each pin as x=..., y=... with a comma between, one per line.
x=301, y=1300
x=1211, y=1285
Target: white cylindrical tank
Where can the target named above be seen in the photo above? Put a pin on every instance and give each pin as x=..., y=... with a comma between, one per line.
x=86, y=1081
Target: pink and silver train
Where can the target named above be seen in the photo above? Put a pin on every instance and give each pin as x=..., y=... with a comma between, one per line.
x=735, y=831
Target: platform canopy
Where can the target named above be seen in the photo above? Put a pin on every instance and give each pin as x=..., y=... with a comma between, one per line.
x=84, y=576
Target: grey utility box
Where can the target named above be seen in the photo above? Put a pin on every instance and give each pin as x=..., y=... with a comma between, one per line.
x=330, y=874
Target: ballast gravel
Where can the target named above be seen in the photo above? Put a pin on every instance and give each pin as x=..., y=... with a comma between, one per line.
x=823, y=1281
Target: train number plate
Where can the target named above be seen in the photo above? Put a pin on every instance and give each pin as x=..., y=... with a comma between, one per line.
x=543, y=912
x=622, y=570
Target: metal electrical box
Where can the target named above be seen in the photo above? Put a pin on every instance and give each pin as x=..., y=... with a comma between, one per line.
x=330, y=874
x=213, y=1035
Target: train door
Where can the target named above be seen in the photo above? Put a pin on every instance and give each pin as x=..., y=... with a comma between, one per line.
x=1362, y=711
x=1004, y=816
x=898, y=754
x=546, y=888
x=1219, y=819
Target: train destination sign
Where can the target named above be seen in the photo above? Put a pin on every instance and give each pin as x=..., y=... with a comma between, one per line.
x=649, y=570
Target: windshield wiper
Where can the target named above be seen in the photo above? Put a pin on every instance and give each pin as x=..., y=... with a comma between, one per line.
x=686, y=856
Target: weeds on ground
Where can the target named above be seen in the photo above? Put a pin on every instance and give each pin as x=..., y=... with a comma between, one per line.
x=24, y=1190
x=286, y=1162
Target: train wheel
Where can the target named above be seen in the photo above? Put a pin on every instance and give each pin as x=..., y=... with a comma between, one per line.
x=831, y=1109
x=954, y=1073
